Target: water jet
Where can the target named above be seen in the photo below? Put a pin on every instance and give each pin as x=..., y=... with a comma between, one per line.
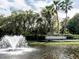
x=14, y=45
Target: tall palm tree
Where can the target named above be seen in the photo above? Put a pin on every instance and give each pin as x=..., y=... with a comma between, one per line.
x=56, y=4
x=66, y=5
x=50, y=11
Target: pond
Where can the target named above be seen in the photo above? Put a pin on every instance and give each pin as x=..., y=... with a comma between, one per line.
x=48, y=52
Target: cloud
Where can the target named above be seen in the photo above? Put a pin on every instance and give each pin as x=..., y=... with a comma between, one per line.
x=40, y=4
x=20, y=4
x=37, y=5
x=6, y=6
x=75, y=4
x=73, y=12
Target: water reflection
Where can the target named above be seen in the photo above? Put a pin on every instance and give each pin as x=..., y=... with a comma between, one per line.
x=48, y=52
x=72, y=52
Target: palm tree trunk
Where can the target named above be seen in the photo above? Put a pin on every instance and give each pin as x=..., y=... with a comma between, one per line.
x=66, y=19
x=66, y=15
x=65, y=24
x=58, y=24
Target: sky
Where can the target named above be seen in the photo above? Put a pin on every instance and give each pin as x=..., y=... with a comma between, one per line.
x=7, y=6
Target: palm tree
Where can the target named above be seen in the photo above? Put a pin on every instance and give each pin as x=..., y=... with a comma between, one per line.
x=65, y=6
x=55, y=9
x=50, y=11
x=47, y=14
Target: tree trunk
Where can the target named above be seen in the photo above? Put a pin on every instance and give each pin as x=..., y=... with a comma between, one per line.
x=66, y=15
x=58, y=24
x=66, y=20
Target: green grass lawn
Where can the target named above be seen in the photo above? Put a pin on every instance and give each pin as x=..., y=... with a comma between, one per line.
x=54, y=43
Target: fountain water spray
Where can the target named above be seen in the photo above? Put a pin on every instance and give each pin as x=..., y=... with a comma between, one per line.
x=13, y=45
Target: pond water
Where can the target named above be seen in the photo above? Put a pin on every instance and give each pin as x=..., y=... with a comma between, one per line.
x=47, y=52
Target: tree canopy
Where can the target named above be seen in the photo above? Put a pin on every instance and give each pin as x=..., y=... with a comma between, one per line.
x=73, y=24
x=30, y=22
x=24, y=22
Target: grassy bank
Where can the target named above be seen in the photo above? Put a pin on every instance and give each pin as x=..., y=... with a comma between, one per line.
x=54, y=43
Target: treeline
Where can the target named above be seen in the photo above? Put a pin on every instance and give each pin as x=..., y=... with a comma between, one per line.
x=23, y=23
x=32, y=23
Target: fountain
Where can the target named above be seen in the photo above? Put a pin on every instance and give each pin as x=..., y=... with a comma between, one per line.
x=14, y=45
